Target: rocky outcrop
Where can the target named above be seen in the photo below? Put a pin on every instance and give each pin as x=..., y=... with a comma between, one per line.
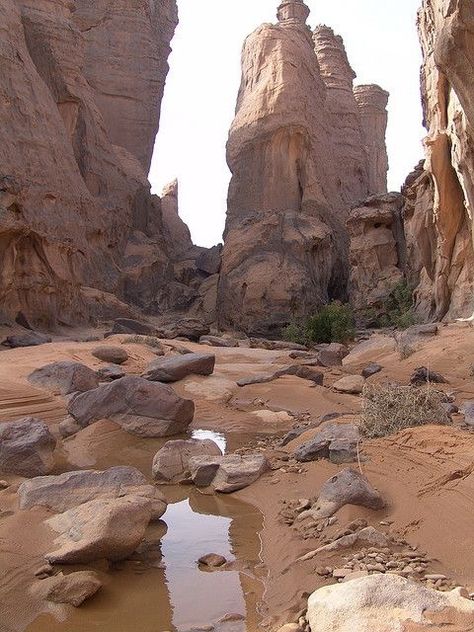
x=81, y=90
x=26, y=447
x=377, y=252
x=440, y=197
x=285, y=251
x=372, y=101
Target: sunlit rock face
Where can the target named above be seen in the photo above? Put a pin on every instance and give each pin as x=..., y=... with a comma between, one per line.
x=440, y=198
x=79, y=107
x=294, y=176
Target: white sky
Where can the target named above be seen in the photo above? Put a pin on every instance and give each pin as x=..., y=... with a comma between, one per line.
x=201, y=91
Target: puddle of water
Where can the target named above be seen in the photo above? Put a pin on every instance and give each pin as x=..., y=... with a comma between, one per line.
x=169, y=592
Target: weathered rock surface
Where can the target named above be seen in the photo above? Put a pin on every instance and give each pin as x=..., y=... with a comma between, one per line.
x=371, y=369
x=131, y=326
x=348, y=487
x=213, y=560
x=171, y=462
x=65, y=377
x=72, y=589
x=115, y=355
x=190, y=328
x=65, y=491
x=377, y=252
x=336, y=442
x=227, y=473
x=110, y=373
x=100, y=529
x=387, y=603
x=285, y=250
x=352, y=384
x=175, y=368
x=26, y=447
x=141, y=407
x=440, y=196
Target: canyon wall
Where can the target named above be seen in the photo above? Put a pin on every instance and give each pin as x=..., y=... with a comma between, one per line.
x=440, y=195
x=80, y=95
x=300, y=159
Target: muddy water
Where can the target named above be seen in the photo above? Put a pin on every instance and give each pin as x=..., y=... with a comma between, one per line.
x=163, y=588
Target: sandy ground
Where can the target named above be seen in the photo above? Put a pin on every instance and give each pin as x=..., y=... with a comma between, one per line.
x=425, y=474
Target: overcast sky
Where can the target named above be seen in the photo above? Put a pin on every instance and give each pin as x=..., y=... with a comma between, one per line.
x=201, y=91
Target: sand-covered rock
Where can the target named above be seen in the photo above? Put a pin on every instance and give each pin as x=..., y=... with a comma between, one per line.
x=114, y=355
x=100, y=529
x=175, y=368
x=141, y=407
x=65, y=377
x=336, y=442
x=72, y=589
x=351, y=384
x=387, y=603
x=65, y=491
x=26, y=447
x=171, y=462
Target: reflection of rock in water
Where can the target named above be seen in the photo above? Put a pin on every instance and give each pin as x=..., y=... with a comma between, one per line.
x=245, y=545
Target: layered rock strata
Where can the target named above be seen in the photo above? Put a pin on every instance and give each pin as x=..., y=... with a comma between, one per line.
x=295, y=175
x=440, y=198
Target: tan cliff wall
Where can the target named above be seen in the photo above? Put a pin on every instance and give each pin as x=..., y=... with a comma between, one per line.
x=78, y=114
x=440, y=197
x=295, y=176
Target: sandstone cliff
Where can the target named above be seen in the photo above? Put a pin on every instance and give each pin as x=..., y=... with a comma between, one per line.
x=80, y=93
x=440, y=199
x=299, y=158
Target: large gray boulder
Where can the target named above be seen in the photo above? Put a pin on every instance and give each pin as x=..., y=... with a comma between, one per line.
x=107, y=528
x=387, y=603
x=347, y=487
x=171, y=462
x=175, y=368
x=26, y=447
x=65, y=377
x=141, y=407
x=336, y=442
x=227, y=473
x=68, y=490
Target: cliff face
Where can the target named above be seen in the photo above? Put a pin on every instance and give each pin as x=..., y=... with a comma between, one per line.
x=295, y=175
x=440, y=199
x=79, y=106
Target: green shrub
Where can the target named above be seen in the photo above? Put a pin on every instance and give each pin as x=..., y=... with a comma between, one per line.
x=398, y=308
x=389, y=408
x=333, y=323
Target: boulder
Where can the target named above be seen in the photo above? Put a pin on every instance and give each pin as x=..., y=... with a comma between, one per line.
x=26, y=447
x=65, y=491
x=348, y=487
x=175, y=368
x=387, y=603
x=422, y=375
x=72, y=589
x=29, y=339
x=114, y=355
x=65, y=377
x=110, y=373
x=467, y=409
x=209, y=261
x=130, y=326
x=336, y=442
x=351, y=384
x=371, y=369
x=107, y=528
x=217, y=341
x=332, y=354
x=171, y=462
x=227, y=473
x=189, y=328
x=213, y=560
x=141, y=407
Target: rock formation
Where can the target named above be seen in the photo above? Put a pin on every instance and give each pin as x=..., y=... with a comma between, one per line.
x=294, y=175
x=439, y=199
x=377, y=251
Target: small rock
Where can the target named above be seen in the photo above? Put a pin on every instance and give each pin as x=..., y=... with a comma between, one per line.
x=26, y=447
x=371, y=369
x=71, y=589
x=422, y=375
x=110, y=373
x=213, y=560
x=351, y=384
x=114, y=355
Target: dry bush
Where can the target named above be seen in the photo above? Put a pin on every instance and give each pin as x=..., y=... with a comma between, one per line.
x=389, y=408
x=142, y=340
